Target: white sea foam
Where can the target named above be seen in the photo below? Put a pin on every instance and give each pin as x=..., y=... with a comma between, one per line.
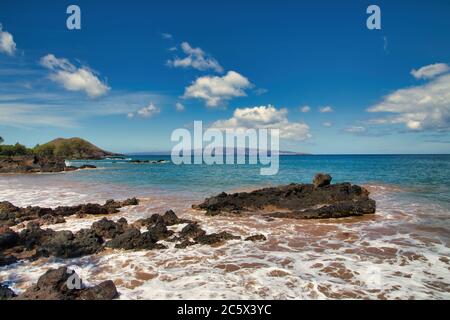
x=401, y=252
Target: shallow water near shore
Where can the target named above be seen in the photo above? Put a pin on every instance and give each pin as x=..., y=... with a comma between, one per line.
x=403, y=251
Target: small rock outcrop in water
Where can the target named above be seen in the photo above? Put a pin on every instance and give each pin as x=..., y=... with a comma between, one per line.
x=11, y=215
x=53, y=285
x=299, y=201
x=6, y=293
x=256, y=237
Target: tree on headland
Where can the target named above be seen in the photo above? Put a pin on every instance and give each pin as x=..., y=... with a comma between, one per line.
x=1, y=140
x=14, y=150
x=44, y=150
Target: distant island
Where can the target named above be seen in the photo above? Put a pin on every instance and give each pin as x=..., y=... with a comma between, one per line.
x=225, y=151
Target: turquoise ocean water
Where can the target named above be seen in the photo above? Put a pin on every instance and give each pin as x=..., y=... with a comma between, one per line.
x=401, y=252
x=423, y=177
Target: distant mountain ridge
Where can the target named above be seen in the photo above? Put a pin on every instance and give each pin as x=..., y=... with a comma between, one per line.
x=225, y=151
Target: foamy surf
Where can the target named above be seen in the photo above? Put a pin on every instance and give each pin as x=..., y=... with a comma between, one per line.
x=399, y=253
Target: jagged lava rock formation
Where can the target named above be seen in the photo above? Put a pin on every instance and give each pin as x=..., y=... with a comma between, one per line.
x=298, y=201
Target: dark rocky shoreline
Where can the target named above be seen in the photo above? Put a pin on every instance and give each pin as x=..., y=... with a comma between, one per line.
x=36, y=164
x=33, y=243
x=298, y=201
x=10, y=215
x=319, y=200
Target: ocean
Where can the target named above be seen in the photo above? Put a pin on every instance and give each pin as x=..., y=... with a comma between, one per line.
x=403, y=251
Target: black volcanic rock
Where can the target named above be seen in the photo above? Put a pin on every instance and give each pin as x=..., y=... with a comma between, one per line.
x=33, y=236
x=31, y=164
x=51, y=219
x=87, y=166
x=109, y=229
x=65, y=244
x=7, y=260
x=34, y=242
x=299, y=201
x=214, y=238
x=55, y=285
x=8, y=238
x=169, y=218
x=158, y=230
x=322, y=180
x=133, y=239
x=6, y=293
x=184, y=244
x=11, y=215
x=192, y=230
x=256, y=237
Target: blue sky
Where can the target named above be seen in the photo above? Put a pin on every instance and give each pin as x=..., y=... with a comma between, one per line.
x=118, y=80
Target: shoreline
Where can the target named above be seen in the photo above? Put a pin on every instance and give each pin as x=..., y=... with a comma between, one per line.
x=300, y=259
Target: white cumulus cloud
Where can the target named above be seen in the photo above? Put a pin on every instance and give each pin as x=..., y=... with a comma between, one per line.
x=179, y=106
x=7, y=44
x=72, y=78
x=305, y=109
x=145, y=112
x=326, y=109
x=422, y=107
x=430, y=71
x=195, y=58
x=265, y=117
x=215, y=90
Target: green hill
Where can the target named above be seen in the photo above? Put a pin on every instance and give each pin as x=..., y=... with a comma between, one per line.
x=72, y=148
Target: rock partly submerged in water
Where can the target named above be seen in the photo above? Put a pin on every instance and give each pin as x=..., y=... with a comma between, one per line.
x=169, y=218
x=58, y=284
x=11, y=215
x=31, y=164
x=36, y=164
x=133, y=239
x=6, y=293
x=33, y=242
x=298, y=201
x=7, y=260
x=61, y=244
x=256, y=237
